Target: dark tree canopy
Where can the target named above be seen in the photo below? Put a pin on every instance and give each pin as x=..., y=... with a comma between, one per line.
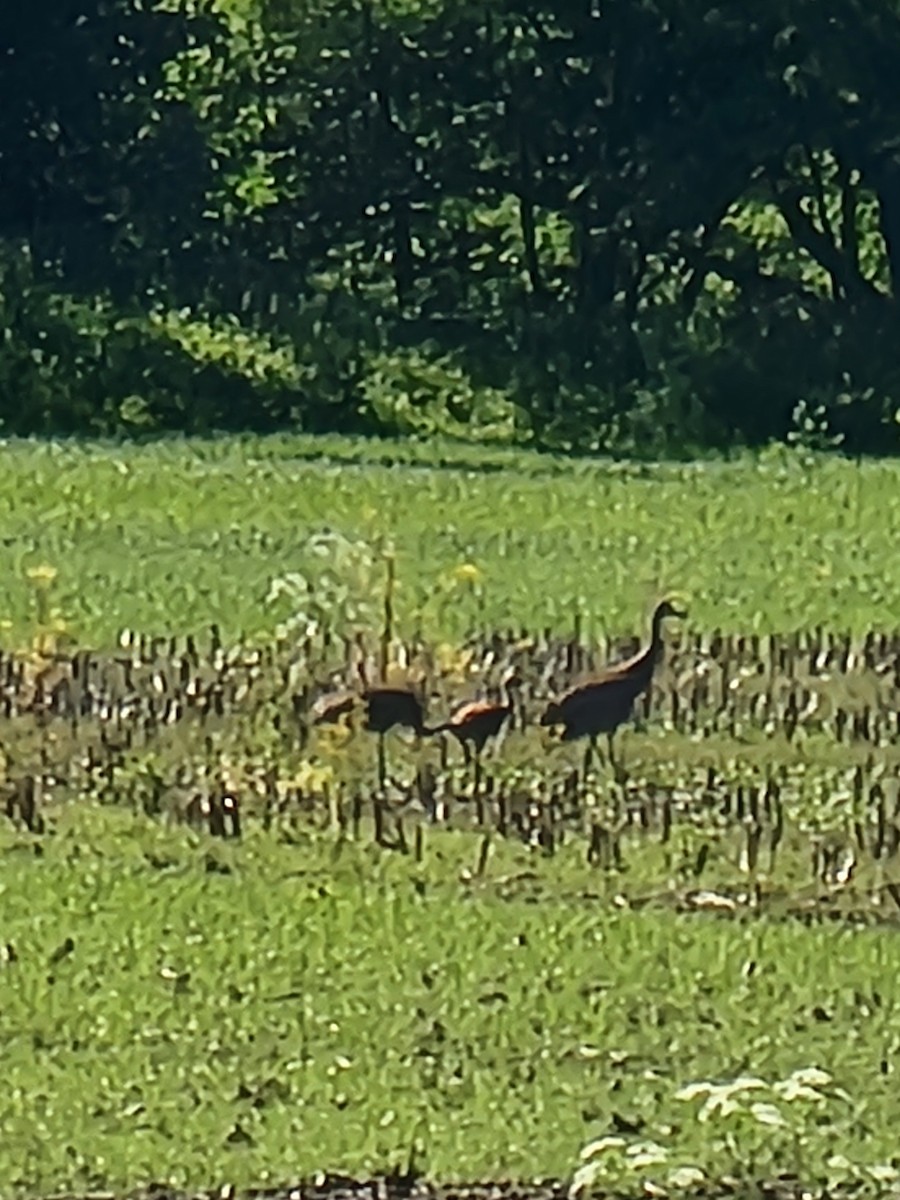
x=638, y=224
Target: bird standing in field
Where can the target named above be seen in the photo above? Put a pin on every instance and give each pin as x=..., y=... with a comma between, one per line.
x=604, y=703
x=386, y=706
x=474, y=722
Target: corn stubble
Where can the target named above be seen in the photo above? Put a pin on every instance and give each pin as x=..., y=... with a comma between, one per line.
x=746, y=755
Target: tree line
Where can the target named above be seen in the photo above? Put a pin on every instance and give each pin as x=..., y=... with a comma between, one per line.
x=634, y=224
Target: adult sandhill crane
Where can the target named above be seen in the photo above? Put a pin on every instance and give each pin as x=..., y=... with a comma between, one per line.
x=386, y=706
x=604, y=703
x=474, y=722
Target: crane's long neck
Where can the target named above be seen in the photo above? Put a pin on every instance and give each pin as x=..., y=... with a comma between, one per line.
x=654, y=650
x=640, y=668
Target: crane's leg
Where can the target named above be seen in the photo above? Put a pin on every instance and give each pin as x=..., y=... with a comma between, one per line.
x=476, y=770
x=467, y=756
x=589, y=754
x=382, y=763
x=619, y=772
x=601, y=754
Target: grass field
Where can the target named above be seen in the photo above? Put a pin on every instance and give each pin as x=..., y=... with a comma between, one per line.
x=662, y=976
x=191, y=1012
x=178, y=534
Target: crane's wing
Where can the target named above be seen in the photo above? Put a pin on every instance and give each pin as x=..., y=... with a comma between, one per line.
x=610, y=689
x=469, y=709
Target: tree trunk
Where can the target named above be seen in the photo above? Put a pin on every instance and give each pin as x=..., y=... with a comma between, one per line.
x=884, y=177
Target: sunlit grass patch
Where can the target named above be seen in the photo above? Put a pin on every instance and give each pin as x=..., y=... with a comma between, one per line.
x=177, y=1010
x=183, y=533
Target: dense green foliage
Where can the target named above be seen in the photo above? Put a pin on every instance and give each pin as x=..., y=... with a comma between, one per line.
x=631, y=224
x=176, y=534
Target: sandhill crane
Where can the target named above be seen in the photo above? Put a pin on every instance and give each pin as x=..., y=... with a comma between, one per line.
x=604, y=703
x=474, y=722
x=386, y=706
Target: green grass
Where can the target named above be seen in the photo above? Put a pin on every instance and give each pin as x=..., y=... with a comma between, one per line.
x=188, y=1011
x=176, y=534
x=259, y=1011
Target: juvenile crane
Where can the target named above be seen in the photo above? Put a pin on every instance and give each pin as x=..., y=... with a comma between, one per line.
x=604, y=703
x=474, y=722
x=386, y=706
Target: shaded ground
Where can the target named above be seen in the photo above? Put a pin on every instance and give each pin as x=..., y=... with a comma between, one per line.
x=405, y=1187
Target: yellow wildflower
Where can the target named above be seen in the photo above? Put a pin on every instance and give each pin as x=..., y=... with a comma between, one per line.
x=43, y=575
x=452, y=661
x=467, y=572
x=308, y=777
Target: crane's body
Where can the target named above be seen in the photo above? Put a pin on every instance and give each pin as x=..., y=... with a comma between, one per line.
x=385, y=707
x=604, y=703
x=474, y=722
